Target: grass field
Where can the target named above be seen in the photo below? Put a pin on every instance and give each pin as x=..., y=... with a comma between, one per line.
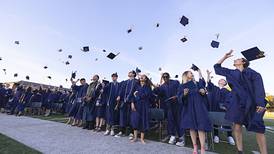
x=10, y=146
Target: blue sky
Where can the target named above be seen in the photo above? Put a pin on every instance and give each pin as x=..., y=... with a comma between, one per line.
x=44, y=26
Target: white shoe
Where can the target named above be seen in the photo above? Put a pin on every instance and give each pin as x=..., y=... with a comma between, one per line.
x=181, y=143
x=216, y=139
x=112, y=133
x=172, y=140
x=130, y=137
x=231, y=140
x=119, y=134
x=106, y=133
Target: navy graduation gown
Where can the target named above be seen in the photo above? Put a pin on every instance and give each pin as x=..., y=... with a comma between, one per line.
x=140, y=117
x=247, y=93
x=218, y=99
x=112, y=90
x=173, y=108
x=126, y=94
x=194, y=113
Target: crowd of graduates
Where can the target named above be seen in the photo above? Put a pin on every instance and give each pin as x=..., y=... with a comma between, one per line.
x=114, y=107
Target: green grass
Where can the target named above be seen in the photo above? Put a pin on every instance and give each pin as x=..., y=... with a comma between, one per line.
x=10, y=146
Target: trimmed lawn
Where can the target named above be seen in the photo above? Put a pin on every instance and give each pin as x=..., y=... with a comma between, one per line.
x=11, y=146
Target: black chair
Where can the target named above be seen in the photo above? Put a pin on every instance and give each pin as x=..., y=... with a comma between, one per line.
x=157, y=115
x=218, y=121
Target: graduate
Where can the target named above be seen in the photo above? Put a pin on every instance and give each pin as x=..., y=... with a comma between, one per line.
x=168, y=91
x=112, y=110
x=194, y=115
x=100, y=107
x=24, y=101
x=14, y=98
x=247, y=104
x=75, y=110
x=70, y=102
x=140, y=108
x=125, y=99
x=92, y=94
x=35, y=98
x=51, y=100
x=218, y=102
x=2, y=97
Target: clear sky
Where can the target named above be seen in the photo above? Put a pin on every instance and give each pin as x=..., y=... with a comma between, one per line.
x=44, y=26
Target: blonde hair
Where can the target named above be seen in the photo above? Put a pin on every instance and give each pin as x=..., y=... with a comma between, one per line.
x=184, y=77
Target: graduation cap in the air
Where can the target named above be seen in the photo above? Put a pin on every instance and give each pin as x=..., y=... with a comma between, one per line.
x=1, y=58
x=27, y=77
x=157, y=25
x=129, y=30
x=73, y=75
x=49, y=77
x=104, y=50
x=194, y=67
x=215, y=44
x=184, y=21
x=5, y=71
x=96, y=59
x=137, y=70
x=69, y=56
x=60, y=50
x=140, y=48
x=85, y=49
x=105, y=81
x=176, y=76
x=16, y=42
x=15, y=75
x=253, y=54
x=159, y=69
x=66, y=80
x=112, y=55
x=67, y=63
x=45, y=67
x=184, y=39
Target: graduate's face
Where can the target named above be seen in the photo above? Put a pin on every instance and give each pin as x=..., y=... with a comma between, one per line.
x=83, y=82
x=238, y=62
x=114, y=78
x=189, y=75
x=95, y=78
x=143, y=78
x=222, y=83
x=130, y=75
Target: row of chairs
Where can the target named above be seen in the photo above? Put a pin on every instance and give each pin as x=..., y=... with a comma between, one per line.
x=217, y=119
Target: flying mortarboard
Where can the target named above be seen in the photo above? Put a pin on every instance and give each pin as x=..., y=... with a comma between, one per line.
x=176, y=76
x=0, y=58
x=45, y=67
x=15, y=75
x=27, y=77
x=104, y=50
x=85, y=49
x=184, y=21
x=112, y=55
x=69, y=56
x=60, y=50
x=5, y=71
x=49, y=77
x=129, y=30
x=105, y=81
x=215, y=44
x=73, y=75
x=140, y=48
x=184, y=39
x=157, y=25
x=67, y=63
x=194, y=67
x=253, y=54
x=137, y=70
x=16, y=42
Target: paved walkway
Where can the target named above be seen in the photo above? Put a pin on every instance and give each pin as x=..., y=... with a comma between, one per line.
x=53, y=137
